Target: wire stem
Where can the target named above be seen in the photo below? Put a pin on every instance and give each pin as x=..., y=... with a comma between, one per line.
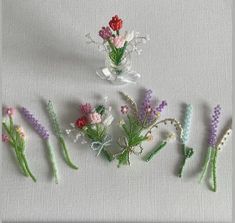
x=206, y=164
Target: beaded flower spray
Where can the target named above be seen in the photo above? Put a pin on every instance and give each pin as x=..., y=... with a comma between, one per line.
x=93, y=126
x=212, y=153
x=138, y=126
x=15, y=137
x=43, y=132
x=118, y=49
x=187, y=151
x=59, y=134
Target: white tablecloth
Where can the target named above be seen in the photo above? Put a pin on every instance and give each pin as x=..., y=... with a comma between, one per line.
x=187, y=60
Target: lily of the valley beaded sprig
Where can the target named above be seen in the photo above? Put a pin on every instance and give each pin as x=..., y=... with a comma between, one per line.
x=187, y=152
x=44, y=134
x=59, y=134
x=118, y=48
x=93, y=126
x=214, y=147
x=15, y=137
x=139, y=124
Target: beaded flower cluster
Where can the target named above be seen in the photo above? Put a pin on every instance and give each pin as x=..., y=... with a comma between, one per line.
x=92, y=126
x=138, y=126
x=115, y=44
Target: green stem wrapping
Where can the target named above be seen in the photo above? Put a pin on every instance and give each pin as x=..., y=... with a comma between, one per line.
x=111, y=45
x=27, y=168
x=155, y=151
x=66, y=154
x=187, y=153
x=53, y=161
x=117, y=32
x=20, y=161
x=213, y=167
x=206, y=164
x=107, y=155
x=124, y=158
x=182, y=166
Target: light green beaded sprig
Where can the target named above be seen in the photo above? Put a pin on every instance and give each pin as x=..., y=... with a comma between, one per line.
x=186, y=151
x=59, y=134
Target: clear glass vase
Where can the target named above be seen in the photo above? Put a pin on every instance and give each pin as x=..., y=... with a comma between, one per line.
x=118, y=74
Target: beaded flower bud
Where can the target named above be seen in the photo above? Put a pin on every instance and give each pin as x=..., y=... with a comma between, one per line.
x=41, y=130
x=187, y=123
x=53, y=118
x=214, y=126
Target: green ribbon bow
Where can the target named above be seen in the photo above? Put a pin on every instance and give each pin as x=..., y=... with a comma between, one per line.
x=99, y=146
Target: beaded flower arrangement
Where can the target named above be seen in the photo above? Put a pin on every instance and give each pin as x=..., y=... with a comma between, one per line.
x=118, y=48
x=93, y=126
x=44, y=134
x=15, y=137
x=138, y=126
x=214, y=147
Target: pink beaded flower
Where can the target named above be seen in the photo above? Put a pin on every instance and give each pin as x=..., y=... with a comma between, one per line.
x=105, y=33
x=5, y=138
x=94, y=118
x=118, y=41
x=10, y=111
x=85, y=108
x=124, y=109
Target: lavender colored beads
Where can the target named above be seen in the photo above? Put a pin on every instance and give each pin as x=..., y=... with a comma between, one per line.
x=214, y=126
x=41, y=130
x=161, y=106
x=145, y=104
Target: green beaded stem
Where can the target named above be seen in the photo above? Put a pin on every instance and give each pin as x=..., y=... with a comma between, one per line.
x=187, y=153
x=150, y=155
x=66, y=154
x=53, y=161
x=206, y=164
x=213, y=168
x=27, y=168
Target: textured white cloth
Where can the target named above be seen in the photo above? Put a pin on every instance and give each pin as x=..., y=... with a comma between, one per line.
x=187, y=60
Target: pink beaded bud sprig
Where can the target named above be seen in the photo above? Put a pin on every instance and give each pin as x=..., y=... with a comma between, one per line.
x=15, y=137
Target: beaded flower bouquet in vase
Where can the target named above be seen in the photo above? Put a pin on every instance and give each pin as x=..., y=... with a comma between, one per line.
x=118, y=48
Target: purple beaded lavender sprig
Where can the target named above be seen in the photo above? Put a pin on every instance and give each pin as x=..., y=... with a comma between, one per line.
x=146, y=103
x=147, y=109
x=161, y=106
x=41, y=130
x=214, y=126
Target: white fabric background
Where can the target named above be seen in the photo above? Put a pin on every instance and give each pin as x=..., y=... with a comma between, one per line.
x=187, y=60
